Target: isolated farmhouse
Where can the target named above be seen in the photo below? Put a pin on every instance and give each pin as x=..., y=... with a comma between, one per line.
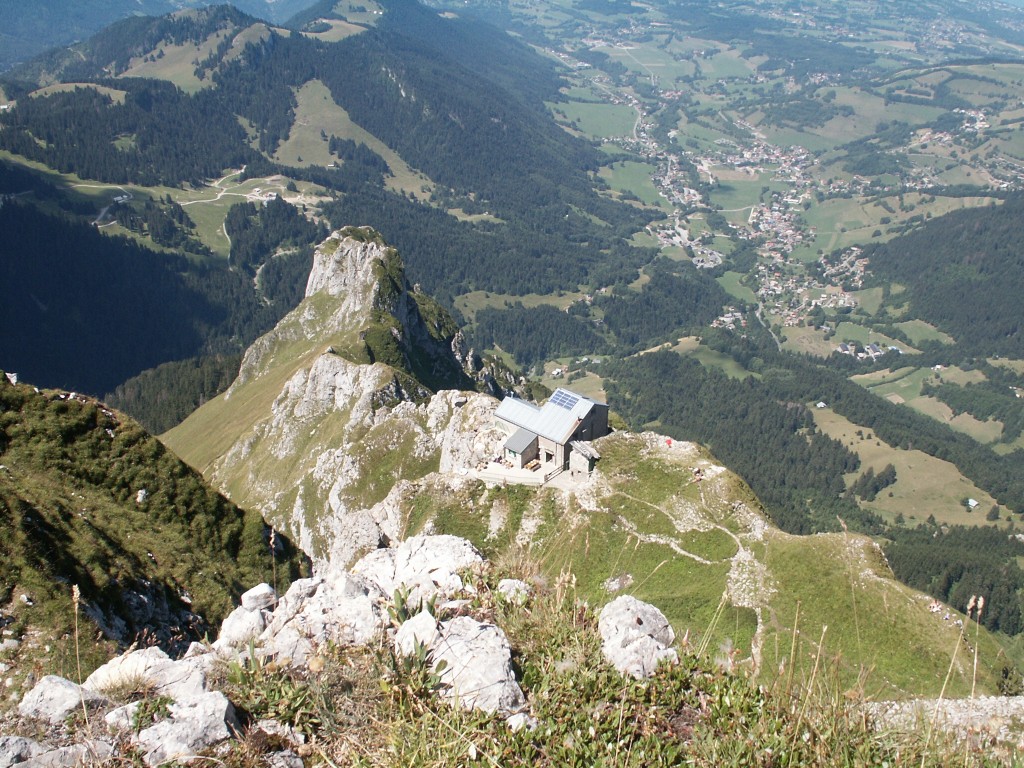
x=556, y=435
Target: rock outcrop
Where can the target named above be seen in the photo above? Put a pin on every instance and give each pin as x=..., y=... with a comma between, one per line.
x=337, y=608
x=364, y=385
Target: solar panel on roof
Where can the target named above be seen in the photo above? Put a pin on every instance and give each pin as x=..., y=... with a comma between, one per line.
x=565, y=399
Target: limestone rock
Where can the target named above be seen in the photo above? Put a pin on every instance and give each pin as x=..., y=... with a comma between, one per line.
x=90, y=752
x=635, y=636
x=241, y=626
x=127, y=669
x=344, y=610
x=15, y=749
x=478, y=666
x=284, y=732
x=425, y=565
x=260, y=596
x=54, y=698
x=421, y=629
x=122, y=719
x=192, y=726
x=283, y=759
x=152, y=668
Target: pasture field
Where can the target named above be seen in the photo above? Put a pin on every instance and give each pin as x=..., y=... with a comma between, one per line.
x=339, y=31
x=725, y=65
x=116, y=95
x=366, y=12
x=924, y=485
x=177, y=64
x=635, y=178
x=738, y=192
x=955, y=375
x=919, y=332
x=690, y=130
x=842, y=222
x=870, y=299
x=649, y=61
x=904, y=386
x=984, y=432
x=1012, y=143
x=1016, y=366
x=690, y=346
x=806, y=340
x=899, y=386
x=730, y=281
x=847, y=331
x=471, y=303
x=644, y=240
x=317, y=111
x=791, y=137
x=598, y=120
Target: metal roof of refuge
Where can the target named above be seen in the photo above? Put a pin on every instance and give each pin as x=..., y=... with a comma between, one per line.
x=520, y=441
x=555, y=420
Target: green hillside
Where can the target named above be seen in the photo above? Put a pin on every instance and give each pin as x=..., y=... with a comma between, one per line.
x=89, y=499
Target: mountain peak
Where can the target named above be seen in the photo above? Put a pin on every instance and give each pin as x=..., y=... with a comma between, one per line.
x=348, y=264
x=359, y=306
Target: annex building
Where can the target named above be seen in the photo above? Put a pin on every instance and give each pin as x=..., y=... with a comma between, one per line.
x=554, y=434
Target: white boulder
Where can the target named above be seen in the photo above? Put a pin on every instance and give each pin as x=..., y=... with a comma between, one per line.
x=241, y=626
x=635, y=636
x=129, y=669
x=477, y=670
x=427, y=566
x=259, y=597
x=192, y=726
x=345, y=610
x=89, y=752
x=153, y=669
x=53, y=699
x=421, y=629
x=15, y=749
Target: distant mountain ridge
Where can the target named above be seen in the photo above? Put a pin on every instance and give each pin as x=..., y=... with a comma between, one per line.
x=31, y=28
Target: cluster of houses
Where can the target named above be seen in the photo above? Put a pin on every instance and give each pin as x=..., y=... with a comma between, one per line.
x=867, y=352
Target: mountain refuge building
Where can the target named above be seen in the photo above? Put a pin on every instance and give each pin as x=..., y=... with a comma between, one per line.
x=554, y=434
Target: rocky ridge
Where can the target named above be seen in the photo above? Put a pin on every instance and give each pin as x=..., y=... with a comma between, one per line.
x=366, y=383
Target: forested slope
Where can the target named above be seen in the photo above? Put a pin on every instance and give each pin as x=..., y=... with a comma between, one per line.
x=964, y=273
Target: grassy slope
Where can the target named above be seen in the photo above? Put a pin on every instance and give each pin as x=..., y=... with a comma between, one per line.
x=676, y=539
x=924, y=486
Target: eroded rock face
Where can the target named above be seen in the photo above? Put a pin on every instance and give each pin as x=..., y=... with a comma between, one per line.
x=635, y=636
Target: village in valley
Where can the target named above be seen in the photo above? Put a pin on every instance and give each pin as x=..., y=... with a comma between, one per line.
x=728, y=176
